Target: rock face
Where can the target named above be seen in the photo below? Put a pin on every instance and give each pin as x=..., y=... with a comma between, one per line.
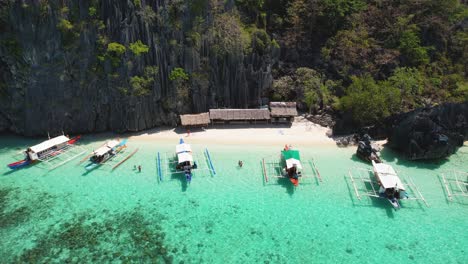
x=57, y=72
x=429, y=133
x=368, y=151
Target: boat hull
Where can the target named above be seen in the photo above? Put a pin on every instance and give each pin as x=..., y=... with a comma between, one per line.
x=19, y=164
x=295, y=182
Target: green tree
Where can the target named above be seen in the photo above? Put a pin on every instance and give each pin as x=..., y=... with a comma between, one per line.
x=410, y=82
x=411, y=49
x=369, y=101
x=180, y=79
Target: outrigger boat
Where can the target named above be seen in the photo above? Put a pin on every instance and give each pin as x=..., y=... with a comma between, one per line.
x=105, y=153
x=290, y=166
x=49, y=150
x=391, y=187
x=388, y=184
x=184, y=162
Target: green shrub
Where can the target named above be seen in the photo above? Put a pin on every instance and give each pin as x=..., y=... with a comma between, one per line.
x=115, y=48
x=138, y=48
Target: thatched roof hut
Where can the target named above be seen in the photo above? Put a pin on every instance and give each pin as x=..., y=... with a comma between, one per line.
x=195, y=120
x=283, y=109
x=239, y=114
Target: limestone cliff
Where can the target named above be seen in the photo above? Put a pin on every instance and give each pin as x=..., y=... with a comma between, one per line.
x=75, y=66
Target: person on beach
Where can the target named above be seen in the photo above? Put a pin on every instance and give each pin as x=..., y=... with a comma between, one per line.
x=139, y=168
x=240, y=163
x=188, y=132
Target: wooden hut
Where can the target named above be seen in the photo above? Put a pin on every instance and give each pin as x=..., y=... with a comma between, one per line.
x=202, y=119
x=239, y=115
x=283, y=111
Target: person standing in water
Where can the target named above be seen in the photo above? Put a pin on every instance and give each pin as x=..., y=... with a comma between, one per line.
x=139, y=168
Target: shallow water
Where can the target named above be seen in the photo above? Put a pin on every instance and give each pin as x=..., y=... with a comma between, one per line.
x=231, y=217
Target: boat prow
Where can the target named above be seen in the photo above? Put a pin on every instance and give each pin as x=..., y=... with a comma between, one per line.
x=394, y=202
x=74, y=140
x=295, y=182
x=92, y=166
x=19, y=164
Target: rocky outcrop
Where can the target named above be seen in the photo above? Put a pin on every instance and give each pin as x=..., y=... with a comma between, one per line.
x=61, y=77
x=429, y=133
x=367, y=150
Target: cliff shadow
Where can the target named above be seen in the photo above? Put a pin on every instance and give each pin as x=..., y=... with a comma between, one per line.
x=389, y=155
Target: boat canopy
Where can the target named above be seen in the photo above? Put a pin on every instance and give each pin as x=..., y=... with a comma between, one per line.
x=104, y=149
x=49, y=143
x=387, y=176
x=185, y=156
x=292, y=158
x=184, y=147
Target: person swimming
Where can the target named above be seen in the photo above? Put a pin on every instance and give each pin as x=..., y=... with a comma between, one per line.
x=240, y=163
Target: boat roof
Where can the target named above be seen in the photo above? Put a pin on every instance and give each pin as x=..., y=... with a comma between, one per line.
x=291, y=154
x=49, y=143
x=104, y=149
x=292, y=158
x=184, y=147
x=185, y=156
x=291, y=162
x=387, y=176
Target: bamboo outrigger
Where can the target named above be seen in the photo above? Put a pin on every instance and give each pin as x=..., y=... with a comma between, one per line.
x=455, y=183
x=387, y=185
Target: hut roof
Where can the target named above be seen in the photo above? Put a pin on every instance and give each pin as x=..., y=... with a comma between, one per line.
x=239, y=114
x=193, y=120
x=279, y=109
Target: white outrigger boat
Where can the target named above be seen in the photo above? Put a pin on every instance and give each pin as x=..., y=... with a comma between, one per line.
x=387, y=185
x=53, y=152
x=105, y=153
x=183, y=162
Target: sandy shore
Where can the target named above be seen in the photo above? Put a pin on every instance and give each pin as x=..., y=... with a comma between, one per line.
x=301, y=132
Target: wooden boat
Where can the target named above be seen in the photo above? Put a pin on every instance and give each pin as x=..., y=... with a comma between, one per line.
x=292, y=164
x=105, y=153
x=391, y=187
x=185, y=161
x=45, y=151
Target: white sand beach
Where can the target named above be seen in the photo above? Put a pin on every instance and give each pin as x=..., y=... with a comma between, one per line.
x=301, y=132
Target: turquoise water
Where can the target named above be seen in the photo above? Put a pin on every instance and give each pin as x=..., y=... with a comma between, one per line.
x=67, y=215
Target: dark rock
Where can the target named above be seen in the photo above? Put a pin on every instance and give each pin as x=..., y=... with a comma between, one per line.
x=429, y=133
x=325, y=120
x=368, y=151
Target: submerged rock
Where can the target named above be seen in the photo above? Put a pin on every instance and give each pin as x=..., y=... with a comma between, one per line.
x=429, y=133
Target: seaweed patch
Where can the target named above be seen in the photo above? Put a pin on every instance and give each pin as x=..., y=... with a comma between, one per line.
x=127, y=237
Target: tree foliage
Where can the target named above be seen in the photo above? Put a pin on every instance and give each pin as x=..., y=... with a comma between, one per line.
x=369, y=101
x=138, y=48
